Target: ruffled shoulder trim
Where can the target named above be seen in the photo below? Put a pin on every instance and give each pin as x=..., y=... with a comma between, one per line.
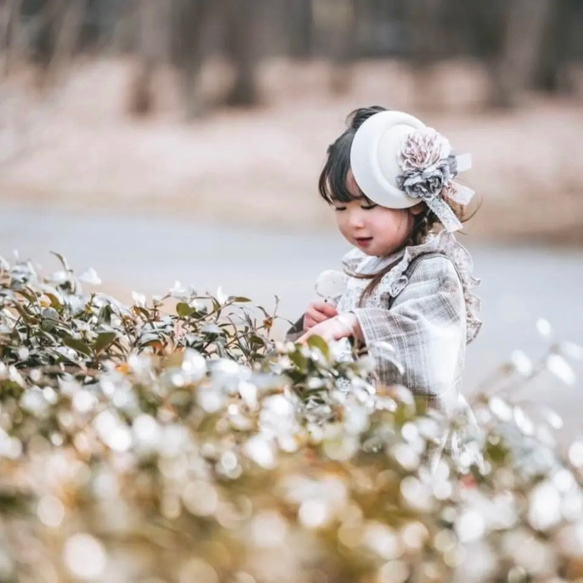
x=352, y=260
x=446, y=244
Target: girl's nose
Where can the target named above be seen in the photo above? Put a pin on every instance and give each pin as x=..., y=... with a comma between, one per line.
x=356, y=219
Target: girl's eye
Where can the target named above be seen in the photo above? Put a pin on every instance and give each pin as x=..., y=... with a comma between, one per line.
x=339, y=208
x=368, y=206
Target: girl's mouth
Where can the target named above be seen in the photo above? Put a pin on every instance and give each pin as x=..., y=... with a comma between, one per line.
x=363, y=241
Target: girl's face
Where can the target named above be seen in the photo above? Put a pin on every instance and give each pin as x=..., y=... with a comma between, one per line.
x=374, y=229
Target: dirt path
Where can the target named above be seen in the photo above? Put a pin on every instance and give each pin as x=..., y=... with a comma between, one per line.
x=261, y=167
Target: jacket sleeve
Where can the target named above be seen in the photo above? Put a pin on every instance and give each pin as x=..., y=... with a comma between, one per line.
x=426, y=326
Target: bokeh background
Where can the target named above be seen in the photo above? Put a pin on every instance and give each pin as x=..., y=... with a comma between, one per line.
x=164, y=140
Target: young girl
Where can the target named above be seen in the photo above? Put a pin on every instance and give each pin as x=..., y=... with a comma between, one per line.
x=391, y=182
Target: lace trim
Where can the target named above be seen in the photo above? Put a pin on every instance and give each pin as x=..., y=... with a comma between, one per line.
x=442, y=242
x=353, y=259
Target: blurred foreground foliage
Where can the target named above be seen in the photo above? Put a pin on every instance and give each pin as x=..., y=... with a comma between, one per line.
x=174, y=440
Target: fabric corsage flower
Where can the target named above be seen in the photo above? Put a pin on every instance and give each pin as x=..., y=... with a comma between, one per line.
x=428, y=168
x=427, y=164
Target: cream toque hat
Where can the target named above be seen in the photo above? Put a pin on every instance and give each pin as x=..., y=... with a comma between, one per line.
x=398, y=161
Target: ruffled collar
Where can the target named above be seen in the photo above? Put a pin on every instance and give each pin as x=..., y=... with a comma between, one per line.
x=355, y=261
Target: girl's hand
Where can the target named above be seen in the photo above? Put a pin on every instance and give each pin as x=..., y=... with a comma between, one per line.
x=317, y=313
x=342, y=326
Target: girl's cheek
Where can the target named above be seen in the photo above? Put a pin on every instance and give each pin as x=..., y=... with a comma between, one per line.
x=341, y=222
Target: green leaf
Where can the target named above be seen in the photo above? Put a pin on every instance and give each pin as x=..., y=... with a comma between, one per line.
x=104, y=315
x=50, y=314
x=184, y=310
x=104, y=340
x=62, y=260
x=319, y=343
x=256, y=340
x=139, y=310
x=27, y=293
x=298, y=359
x=212, y=329
x=28, y=318
x=61, y=351
x=239, y=299
x=77, y=345
x=149, y=338
x=55, y=302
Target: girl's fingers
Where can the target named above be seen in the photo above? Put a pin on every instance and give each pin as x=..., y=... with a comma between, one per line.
x=317, y=313
x=324, y=308
x=320, y=311
x=314, y=317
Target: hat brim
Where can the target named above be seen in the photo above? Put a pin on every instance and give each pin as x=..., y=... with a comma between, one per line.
x=374, y=157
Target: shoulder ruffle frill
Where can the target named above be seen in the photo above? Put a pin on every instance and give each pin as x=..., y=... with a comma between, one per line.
x=444, y=243
x=352, y=260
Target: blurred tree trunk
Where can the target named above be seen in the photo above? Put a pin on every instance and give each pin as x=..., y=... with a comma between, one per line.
x=243, y=19
x=67, y=37
x=9, y=23
x=336, y=20
x=523, y=36
x=45, y=38
x=426, y=45
x=58, y=37
x=190, y=20
x=300, y=24
x=150, y=15
x=484, y=23
x=558, y=47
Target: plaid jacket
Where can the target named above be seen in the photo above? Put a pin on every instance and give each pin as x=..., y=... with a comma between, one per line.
x=423, y=308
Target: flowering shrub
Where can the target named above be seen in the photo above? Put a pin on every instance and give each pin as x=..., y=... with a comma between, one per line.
x=174, y=440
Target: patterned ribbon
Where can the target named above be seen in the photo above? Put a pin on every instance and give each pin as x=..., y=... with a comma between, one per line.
x=445, y=214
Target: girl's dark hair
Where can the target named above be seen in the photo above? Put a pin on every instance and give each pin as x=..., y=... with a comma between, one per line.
x=332, y=186
x=332, y=182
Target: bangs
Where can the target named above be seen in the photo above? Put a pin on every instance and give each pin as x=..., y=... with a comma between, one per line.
x=333, y=183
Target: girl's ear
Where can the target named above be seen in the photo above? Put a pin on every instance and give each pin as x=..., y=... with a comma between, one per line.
x=417, y=209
